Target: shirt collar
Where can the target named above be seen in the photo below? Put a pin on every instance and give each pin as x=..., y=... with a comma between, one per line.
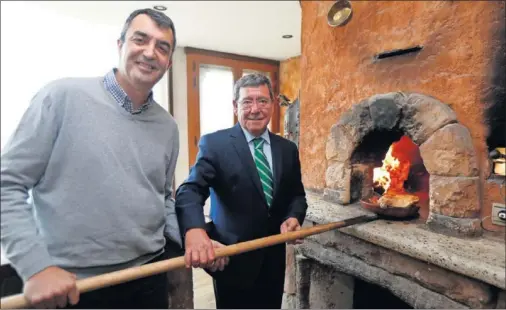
x=250, y=137
x=121, y=97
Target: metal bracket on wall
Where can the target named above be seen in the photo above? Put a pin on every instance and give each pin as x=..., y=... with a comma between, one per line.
x=499, y=214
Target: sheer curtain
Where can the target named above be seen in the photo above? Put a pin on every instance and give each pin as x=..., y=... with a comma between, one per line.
x=216, y=86
x=216, y=95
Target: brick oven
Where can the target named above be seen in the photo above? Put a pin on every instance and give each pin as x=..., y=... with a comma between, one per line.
x=438, y=259
x=441, y=165
x=401, y=100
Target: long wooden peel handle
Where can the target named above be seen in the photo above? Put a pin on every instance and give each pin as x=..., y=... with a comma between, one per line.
x=113, y=278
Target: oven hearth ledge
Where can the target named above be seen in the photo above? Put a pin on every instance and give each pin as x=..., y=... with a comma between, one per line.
x=478, y=258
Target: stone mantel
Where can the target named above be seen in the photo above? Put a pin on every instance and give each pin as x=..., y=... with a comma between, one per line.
x=480, y=258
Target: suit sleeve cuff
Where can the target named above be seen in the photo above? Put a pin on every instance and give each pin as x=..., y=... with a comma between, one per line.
x=299, y=217
x=191, y=216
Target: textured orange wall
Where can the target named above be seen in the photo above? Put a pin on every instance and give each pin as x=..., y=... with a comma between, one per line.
x=289, y=84
x=337, y=69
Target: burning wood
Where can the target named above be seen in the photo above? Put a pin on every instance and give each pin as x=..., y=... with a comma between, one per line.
x=392, y=175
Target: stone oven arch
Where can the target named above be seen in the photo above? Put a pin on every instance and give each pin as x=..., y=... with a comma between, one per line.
x=445, y=146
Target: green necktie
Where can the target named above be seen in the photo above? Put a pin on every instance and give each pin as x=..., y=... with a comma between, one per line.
x=264, y=171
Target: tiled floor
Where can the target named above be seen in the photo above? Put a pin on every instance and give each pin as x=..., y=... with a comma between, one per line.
x=203, y=293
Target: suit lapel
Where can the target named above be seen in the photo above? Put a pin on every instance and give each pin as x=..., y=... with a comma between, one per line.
x=241, y=147
x=277, y=163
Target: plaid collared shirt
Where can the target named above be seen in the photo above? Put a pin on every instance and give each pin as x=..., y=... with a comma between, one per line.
x=111, y=84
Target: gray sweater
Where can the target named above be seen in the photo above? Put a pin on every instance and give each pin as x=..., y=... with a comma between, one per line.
x=101, y=182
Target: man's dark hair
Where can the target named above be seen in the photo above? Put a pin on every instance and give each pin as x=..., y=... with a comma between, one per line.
x=161, y=20
x=252, y=80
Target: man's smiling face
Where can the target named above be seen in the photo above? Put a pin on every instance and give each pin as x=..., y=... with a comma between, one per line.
x=146, y=52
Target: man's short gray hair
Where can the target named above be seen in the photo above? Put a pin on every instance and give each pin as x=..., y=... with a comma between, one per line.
x=161, y=20
x=252, y=80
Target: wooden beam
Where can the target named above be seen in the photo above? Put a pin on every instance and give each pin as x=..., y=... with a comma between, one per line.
x=198, y=51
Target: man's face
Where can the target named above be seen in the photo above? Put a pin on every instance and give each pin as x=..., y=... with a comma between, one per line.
x=146, y=53
x=254, y=108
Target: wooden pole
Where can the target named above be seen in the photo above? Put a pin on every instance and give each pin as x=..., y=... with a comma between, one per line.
x=113, y=278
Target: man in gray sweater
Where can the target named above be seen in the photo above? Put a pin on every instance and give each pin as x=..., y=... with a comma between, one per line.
x=98, y=155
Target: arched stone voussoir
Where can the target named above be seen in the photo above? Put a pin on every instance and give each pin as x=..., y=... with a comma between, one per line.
x=338, y=182
x=385, y=110
x=422, y=115
x=357, y=121
x=454, y=196
x=340, y=143
x=450, y=152
x=338, y=175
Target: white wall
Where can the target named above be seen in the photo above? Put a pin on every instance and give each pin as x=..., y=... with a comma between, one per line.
x=39, y=46
x=181, y=112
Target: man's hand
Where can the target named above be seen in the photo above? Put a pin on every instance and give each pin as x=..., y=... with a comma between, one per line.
x=291, y=224
x=51, y=288
x=199, y=249
x=219, y=263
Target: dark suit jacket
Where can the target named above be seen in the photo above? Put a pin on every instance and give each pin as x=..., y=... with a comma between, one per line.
x=225, y=170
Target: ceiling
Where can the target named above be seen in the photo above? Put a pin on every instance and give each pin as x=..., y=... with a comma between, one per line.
x=251, y=28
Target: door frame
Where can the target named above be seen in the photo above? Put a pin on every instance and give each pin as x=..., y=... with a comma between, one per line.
x=238, y=63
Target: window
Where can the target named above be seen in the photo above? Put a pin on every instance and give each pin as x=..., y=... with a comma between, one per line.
x=211, y=76
x=216, y=95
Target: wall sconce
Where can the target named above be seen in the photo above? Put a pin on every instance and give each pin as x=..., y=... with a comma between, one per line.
x=340, y=13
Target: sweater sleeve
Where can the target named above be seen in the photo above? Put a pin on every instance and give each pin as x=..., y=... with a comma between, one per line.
x=23, y=162
x=171, y=222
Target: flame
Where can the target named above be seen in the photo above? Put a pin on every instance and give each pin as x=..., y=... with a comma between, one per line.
x=395, y=169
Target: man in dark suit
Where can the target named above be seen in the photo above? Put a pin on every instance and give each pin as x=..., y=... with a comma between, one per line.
x=254, y=179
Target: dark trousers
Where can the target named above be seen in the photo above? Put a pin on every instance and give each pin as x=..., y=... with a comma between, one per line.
x=265, y=293
x=145, y=293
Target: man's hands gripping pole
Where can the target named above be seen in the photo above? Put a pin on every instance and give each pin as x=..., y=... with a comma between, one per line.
x=200, y=251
